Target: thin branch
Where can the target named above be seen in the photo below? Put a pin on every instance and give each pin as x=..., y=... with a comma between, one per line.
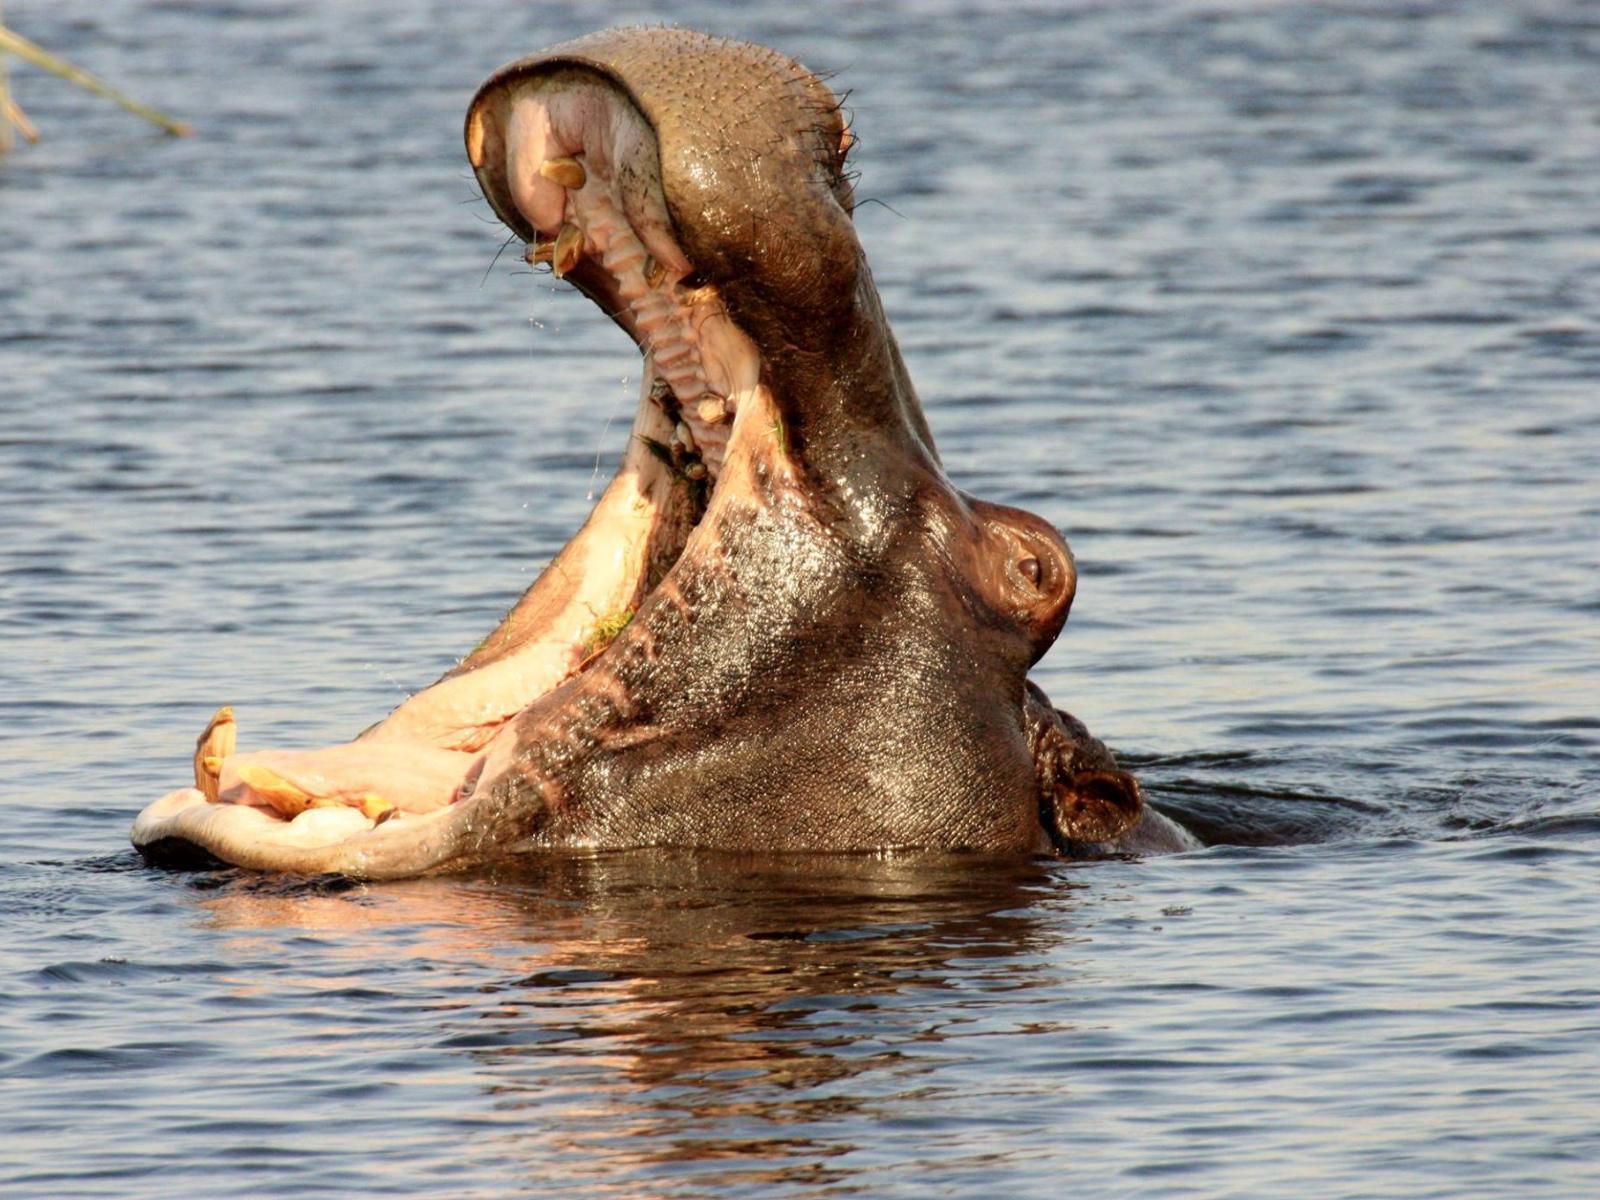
x=15, y=43
x=11, y=111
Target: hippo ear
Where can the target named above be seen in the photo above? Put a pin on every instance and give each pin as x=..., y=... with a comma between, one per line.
x=1095, y=805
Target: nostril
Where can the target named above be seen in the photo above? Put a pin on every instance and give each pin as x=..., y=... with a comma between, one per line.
x=1096, y=805
x=1032, y=570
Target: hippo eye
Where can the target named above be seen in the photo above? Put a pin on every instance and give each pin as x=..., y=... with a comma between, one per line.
x=1032, y=570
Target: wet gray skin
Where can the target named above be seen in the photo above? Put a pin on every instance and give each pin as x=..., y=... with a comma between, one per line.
x=826, y=643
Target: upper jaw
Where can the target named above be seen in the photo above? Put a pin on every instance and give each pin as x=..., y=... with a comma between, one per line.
x=703, y=222
x=773, y=147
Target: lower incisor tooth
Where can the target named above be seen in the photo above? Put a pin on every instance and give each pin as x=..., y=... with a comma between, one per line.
x=540, y=252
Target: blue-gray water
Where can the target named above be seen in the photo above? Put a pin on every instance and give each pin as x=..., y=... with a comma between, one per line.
x=1288, y=316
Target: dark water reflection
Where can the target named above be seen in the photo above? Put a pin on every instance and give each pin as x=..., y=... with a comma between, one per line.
x=628, y=1005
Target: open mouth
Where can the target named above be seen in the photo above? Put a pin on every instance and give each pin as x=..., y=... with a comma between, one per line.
x=572, y=166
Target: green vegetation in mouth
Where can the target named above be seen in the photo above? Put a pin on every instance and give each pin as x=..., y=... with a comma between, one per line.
x=605, y=630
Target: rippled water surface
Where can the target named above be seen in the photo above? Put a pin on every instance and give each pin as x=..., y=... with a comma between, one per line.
x=1289, y=316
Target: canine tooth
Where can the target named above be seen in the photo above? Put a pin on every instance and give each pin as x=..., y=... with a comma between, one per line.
x=568, y=250
x=713, y=410
x=568, y=172
x=539, y=252
x=683, y=435
x=212, y=746
x=654, y=272
x=288, y=798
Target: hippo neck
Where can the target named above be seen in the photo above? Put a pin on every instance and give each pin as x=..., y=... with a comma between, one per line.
x=852, y=420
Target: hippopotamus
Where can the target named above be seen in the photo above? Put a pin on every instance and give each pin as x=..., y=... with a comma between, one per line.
x=782, y=628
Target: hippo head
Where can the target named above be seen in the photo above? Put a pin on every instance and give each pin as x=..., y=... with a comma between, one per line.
x=782, y=628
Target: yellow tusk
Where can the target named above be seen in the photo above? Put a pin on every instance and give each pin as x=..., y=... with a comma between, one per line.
x=288, y=798
x=568, y=172
x=210, y=748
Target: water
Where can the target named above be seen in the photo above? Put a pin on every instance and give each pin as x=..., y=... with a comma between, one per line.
x=1288, y=315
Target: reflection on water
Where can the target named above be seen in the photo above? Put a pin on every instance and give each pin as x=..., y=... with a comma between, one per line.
x=627, y=1004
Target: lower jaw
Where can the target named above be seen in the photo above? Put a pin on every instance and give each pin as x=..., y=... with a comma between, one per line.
x=425, y=755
